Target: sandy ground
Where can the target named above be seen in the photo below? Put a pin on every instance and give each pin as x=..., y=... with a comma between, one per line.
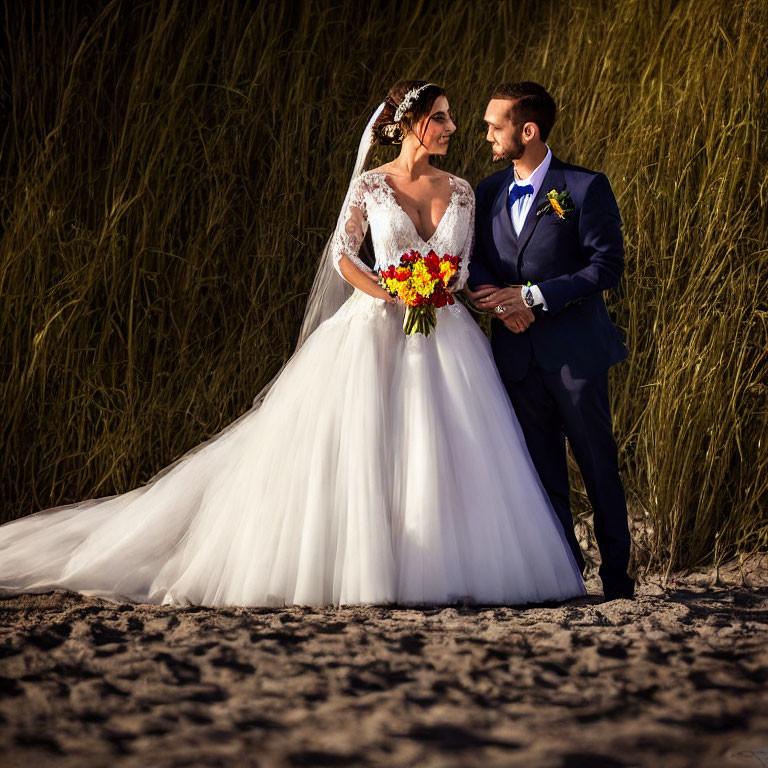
x=677, y=677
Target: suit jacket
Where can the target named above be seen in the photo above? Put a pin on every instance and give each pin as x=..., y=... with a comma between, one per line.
x=572, y=261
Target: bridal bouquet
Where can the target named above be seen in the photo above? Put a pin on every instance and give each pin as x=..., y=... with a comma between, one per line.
x=421, y=283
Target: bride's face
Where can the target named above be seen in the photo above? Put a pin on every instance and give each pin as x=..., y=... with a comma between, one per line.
x=436, y=128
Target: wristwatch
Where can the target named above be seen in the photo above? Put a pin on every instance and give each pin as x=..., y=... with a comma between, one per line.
x=528, y=296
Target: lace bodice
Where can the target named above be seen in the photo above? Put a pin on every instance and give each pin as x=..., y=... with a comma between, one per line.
x=372, y=203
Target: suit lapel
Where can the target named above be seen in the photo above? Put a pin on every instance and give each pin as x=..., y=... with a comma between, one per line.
x=554, y=179
x=504, y=236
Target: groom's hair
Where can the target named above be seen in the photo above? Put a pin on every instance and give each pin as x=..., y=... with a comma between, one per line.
x=530, y=104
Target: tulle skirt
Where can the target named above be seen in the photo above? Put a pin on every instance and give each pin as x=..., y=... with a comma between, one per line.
x=380, y=468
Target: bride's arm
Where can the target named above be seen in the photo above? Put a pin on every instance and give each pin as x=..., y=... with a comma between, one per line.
x=468, y=252
x=362, y=279
x=349, y=236
x=467, y=199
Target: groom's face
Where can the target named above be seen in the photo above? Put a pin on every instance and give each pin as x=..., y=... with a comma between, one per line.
x=505, y=136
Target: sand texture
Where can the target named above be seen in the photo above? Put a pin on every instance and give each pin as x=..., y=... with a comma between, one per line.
x=677, y=677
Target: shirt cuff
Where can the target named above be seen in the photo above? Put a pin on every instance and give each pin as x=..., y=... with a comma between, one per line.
x=538, y=297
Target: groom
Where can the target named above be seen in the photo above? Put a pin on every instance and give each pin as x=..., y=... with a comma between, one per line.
x=541, y=262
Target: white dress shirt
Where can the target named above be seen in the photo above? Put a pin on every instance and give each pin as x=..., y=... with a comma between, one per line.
x=522, y=207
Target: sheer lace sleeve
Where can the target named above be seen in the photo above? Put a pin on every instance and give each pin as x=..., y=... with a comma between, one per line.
x=466, y=202
x=351, y=227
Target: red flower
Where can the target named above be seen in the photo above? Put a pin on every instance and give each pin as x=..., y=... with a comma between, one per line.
x=432, y=263
x=441, y=297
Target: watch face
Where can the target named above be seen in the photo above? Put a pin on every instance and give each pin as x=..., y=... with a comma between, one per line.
x=529, y=297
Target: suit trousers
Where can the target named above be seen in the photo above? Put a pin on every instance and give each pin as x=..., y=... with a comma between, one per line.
x=553, y=406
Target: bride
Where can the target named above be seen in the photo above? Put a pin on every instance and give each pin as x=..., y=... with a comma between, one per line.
x=375, y=468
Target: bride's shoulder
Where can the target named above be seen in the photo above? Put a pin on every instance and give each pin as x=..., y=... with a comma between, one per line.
x=375, y=178
x=371, y=178
x=374, y=173
x=367, y=186
x=462, y=186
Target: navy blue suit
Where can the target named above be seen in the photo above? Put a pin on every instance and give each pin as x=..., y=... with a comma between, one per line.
x=556, y=372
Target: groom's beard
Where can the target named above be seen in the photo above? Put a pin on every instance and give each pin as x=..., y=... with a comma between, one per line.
x=513, y=152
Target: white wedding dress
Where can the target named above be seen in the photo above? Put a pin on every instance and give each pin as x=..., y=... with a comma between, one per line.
x=380, y=468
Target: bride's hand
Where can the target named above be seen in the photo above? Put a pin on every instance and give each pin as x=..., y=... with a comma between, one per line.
x=384, y=296
x=379, y=292
x=476, y=296
x=510, y=297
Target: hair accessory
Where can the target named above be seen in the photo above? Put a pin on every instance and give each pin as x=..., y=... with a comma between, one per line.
x=408, y=100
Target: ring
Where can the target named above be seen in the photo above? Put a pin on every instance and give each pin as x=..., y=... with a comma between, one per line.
x=499, y=310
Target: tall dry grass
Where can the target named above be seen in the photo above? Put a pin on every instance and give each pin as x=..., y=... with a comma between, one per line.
x=169, y=173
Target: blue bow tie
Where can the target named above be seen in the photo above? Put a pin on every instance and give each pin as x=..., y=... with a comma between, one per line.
x=517, y=191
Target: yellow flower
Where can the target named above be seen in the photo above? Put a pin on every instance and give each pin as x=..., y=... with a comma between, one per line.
x=559, y=202
x=409, y=294
x=419, y=270
x=393, y=285
x=422, y=281
x=447, y=271
x=424, y=285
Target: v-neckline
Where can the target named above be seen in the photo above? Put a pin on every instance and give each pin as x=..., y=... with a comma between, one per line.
x=391, y=189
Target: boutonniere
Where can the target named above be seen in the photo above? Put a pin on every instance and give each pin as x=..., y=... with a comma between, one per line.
x=559, y=203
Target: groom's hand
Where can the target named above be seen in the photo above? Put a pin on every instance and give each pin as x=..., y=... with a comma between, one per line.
x=516, y=320
x=480, y=293
x=510, y=298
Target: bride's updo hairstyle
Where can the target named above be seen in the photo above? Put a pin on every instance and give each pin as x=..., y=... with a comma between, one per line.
x=395, y=123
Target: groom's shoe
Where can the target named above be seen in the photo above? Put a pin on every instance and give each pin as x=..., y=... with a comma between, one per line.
x=624, y=591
